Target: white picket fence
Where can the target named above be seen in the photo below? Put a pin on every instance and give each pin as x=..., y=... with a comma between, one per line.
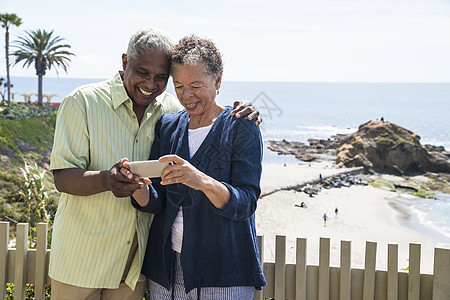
x=297, y=281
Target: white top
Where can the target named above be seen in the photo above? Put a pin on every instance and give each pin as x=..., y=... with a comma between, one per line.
x=196, y=138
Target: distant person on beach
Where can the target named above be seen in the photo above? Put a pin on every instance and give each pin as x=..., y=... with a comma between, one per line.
x=99, y=239
x=325, y=217
x=336, y=212
x=202, y=243
x=303, y=205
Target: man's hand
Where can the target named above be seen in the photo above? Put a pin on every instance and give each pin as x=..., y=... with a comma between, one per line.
x=141, y=194
x=243, y=108
x=120, y=182
x=81, y=182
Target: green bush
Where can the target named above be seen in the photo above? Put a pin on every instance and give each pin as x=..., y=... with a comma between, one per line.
x=29, y=292
x=37, y=132
x=35, y=199
x=15, y=110
x=21, y=111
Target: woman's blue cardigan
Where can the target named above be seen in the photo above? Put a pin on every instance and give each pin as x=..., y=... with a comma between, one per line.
x=219, y=246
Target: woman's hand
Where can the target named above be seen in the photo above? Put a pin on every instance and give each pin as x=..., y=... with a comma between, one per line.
x=183, y=172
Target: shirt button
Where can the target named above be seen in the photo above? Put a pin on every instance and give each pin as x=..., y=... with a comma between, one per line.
x=128, y=242
x=136, y=141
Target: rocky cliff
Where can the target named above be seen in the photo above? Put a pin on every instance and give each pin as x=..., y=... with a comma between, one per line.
x=388, y=148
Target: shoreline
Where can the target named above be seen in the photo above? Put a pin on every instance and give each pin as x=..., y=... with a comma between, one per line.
x=409, y=220
x=365, y=213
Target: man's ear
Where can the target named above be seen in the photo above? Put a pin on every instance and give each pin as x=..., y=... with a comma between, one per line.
x=124, y=61
x=218, y=81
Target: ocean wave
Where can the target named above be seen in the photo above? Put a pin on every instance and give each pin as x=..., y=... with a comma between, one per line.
x=436, y=224
x=429, y=216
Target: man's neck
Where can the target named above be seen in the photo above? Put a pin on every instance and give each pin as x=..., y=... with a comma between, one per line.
x=139, y=112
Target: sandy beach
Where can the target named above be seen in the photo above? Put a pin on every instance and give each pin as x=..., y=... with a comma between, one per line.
x=364, y=214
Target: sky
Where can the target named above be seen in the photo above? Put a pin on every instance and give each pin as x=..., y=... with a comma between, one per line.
x=261, y=40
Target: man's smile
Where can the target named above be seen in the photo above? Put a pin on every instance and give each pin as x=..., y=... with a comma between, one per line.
x=145, y=92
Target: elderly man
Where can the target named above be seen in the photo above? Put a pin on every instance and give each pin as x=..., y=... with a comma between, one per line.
x=99, y=239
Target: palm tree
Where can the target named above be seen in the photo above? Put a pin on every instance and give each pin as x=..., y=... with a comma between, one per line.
x=6, y=21
x=44, y=50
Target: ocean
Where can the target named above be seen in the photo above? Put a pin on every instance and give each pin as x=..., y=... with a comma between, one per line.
x=299, y=110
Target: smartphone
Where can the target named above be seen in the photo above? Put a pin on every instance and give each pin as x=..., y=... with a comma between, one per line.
x=148, y=168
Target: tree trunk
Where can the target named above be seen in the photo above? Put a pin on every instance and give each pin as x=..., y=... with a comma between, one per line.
x=40, y=77
x=8, y=82
x=41, y=67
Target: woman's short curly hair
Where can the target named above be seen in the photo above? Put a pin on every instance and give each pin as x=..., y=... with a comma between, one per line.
x=193, y=49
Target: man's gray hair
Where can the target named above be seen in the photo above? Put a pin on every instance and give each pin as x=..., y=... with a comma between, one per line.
x=148, y=40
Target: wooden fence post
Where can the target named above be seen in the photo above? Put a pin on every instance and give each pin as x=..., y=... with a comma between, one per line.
x=20, y=265
x=324, y=269
x=280, y=267
x=414, y=272
x=441, y=282
x=4, y=241
x=41, y=262
x=259, y=293
x=345, y=282
x=369, y=271
x=392, y=273
x=300, y=270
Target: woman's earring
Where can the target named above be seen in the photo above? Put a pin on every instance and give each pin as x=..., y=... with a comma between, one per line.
x=217, y=92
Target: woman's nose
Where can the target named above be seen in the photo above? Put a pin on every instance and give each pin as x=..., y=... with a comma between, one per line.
x=187, y=92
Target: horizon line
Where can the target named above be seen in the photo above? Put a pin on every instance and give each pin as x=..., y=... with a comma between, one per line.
x=253, y=81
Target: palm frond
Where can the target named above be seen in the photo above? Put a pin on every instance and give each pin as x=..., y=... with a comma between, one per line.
x=7, y=20
x=41, y=46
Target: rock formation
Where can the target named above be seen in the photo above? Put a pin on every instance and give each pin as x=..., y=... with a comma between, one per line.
x=385, y=147
x=317, y=149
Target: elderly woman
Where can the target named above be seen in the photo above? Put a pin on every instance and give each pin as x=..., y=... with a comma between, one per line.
x=202, y=243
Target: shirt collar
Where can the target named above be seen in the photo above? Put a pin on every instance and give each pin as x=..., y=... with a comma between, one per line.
x=120, y=96
x=118, y=93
